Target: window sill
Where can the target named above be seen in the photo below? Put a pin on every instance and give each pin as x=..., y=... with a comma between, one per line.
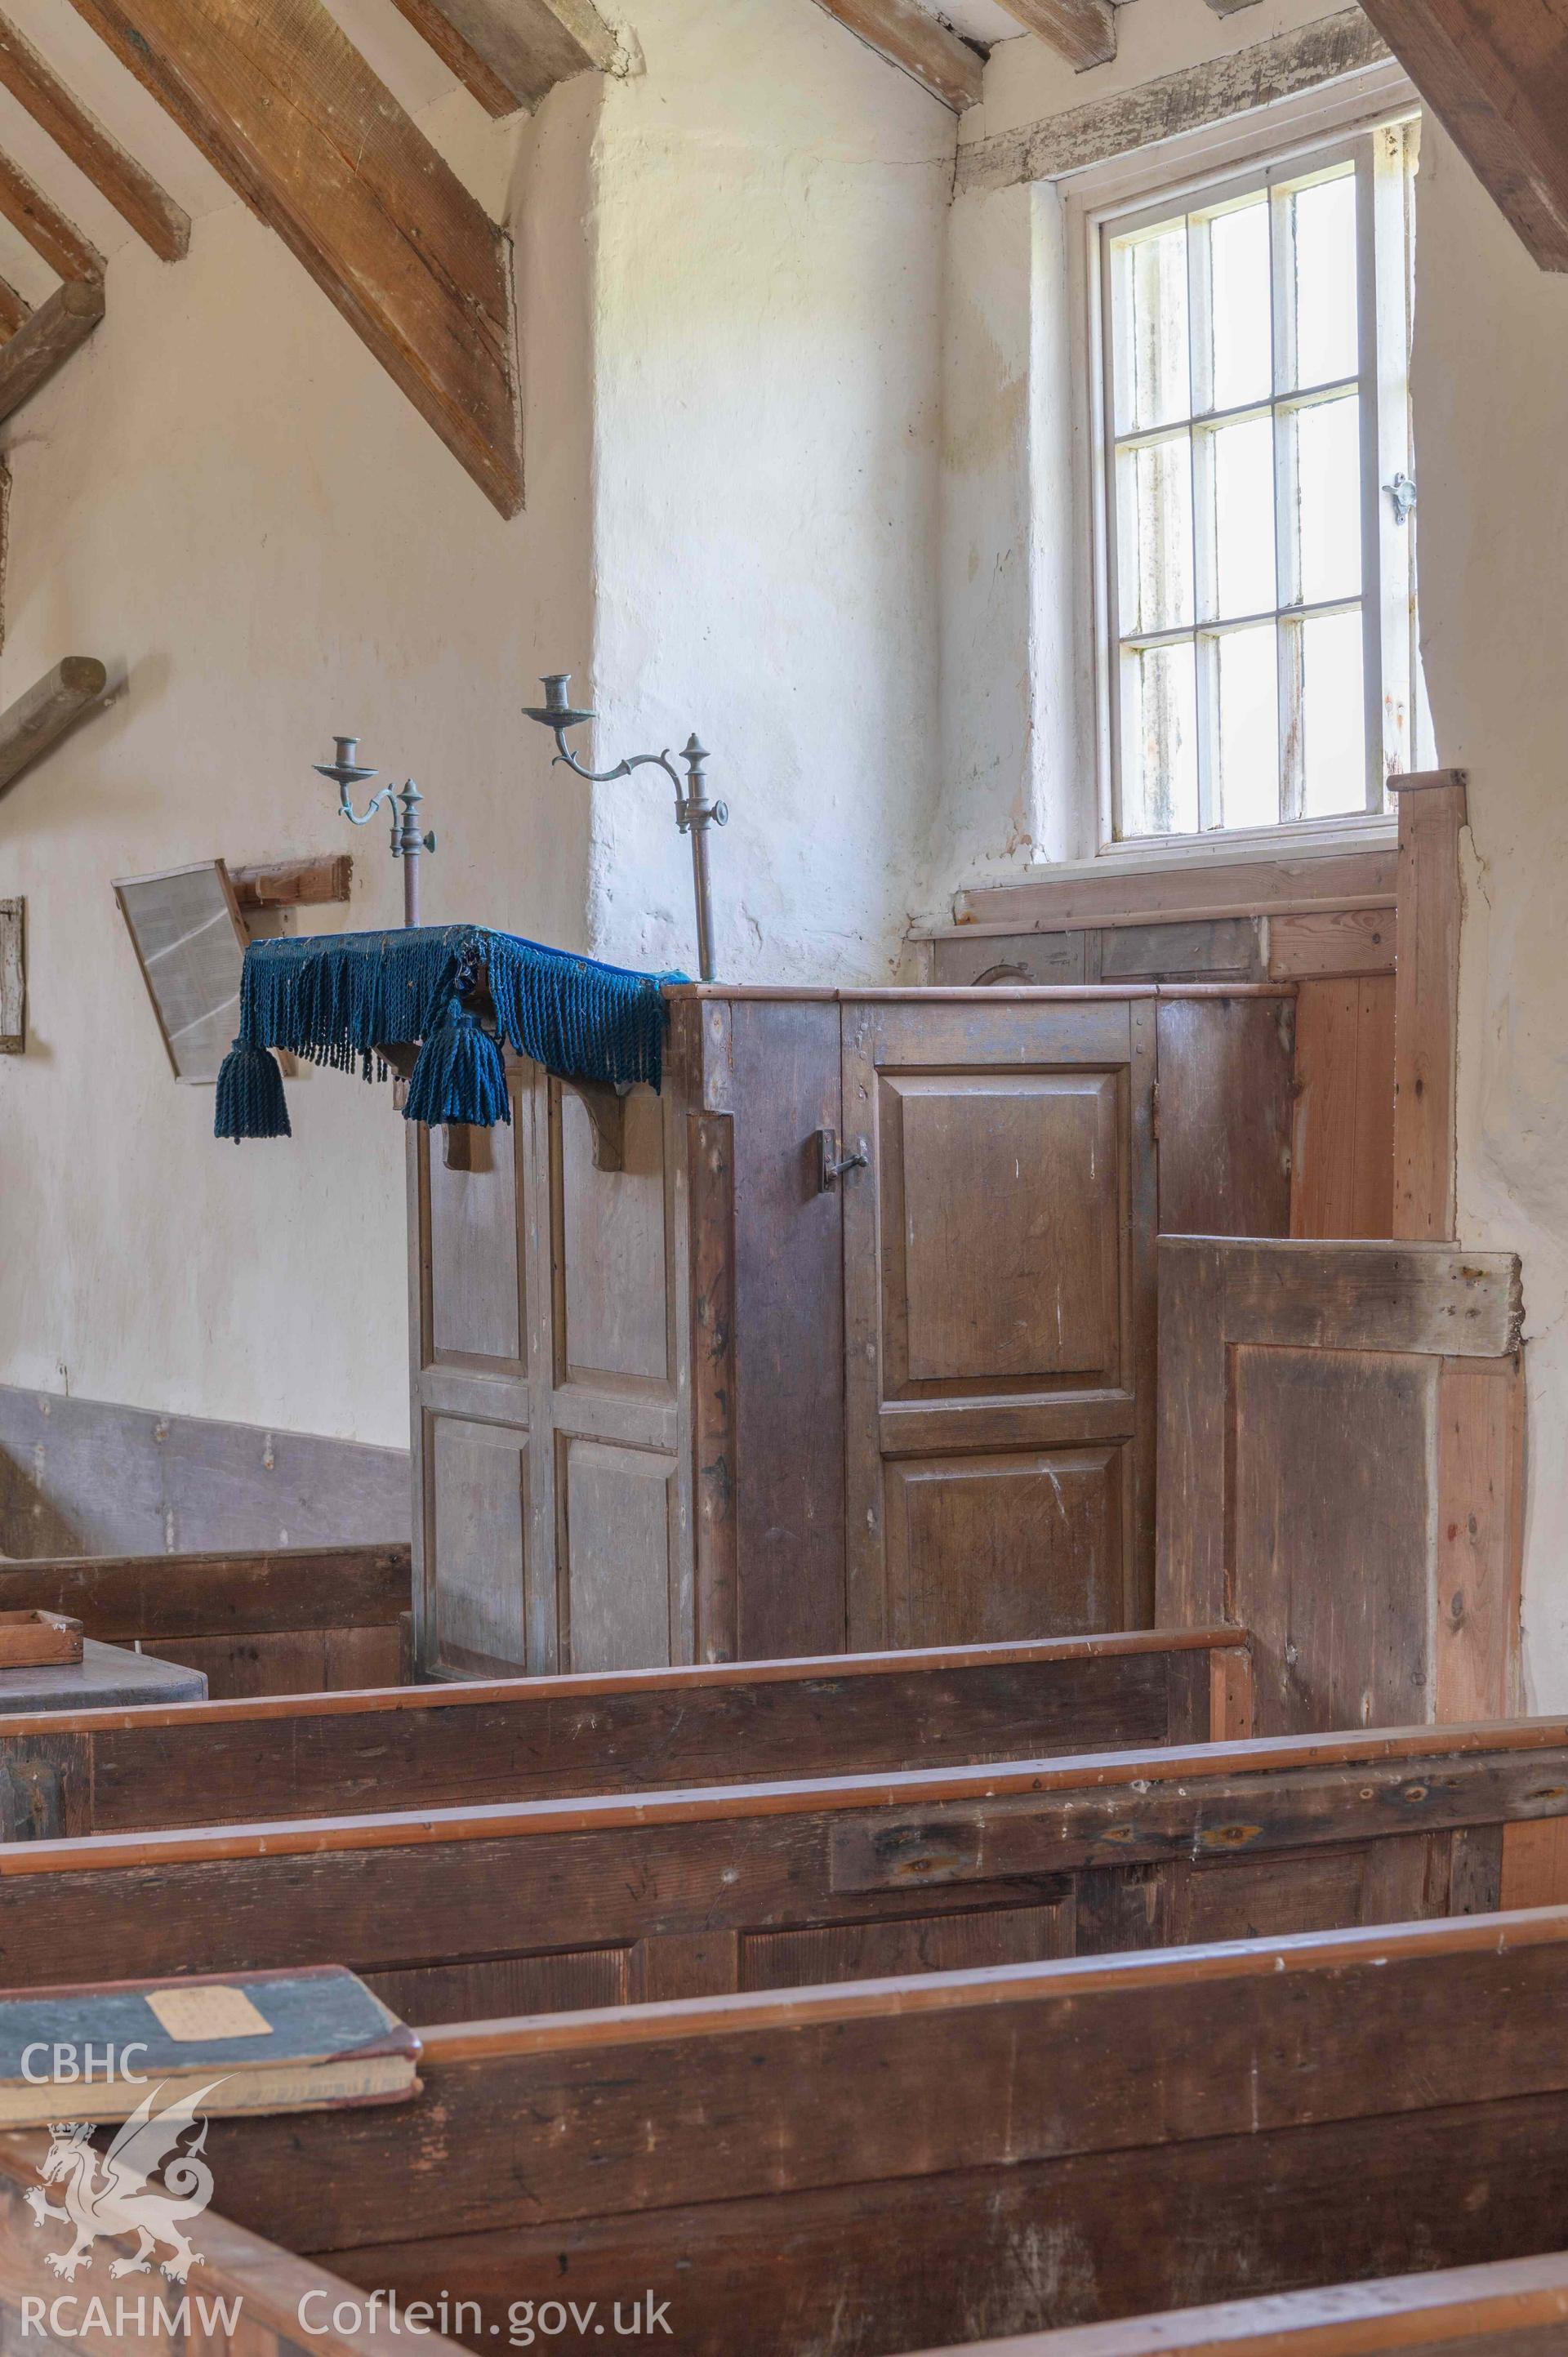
x=1308, y=839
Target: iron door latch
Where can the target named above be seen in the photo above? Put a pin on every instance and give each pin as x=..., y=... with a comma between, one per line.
x=832, y=1165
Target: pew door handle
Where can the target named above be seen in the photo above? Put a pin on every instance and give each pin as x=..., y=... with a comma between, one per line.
x=832, y=1165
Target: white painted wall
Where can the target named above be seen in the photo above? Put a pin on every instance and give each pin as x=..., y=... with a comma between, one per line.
x=729, y=278
x=770, y=208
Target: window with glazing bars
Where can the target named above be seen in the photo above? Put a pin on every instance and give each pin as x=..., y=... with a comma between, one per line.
x=1259, y=547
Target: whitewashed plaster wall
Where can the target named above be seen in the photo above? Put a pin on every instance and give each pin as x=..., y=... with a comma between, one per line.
x=770, y=207
x=728, y=282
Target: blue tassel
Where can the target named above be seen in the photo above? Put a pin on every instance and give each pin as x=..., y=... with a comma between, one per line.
x=459, y=1075
x=251, y=1102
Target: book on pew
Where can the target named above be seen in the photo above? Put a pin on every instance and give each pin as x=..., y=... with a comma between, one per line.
x=302, y=2040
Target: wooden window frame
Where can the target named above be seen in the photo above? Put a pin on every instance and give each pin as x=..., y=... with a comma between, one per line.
x=1342, y=119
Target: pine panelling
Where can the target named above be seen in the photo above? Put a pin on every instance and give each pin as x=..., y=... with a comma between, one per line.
x=1480, y=1537
x=1342, y=1179
x=1427, y=1022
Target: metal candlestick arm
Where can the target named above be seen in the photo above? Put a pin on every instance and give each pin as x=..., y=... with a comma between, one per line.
x=694, y=814
x=407, y=842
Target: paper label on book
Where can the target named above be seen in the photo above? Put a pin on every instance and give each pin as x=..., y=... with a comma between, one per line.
x=189, y=2015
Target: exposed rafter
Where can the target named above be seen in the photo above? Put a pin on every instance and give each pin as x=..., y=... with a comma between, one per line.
x=510, y=53
x=287, y=109
x=25, y=206
x=133, y=193
x=14, y=308
x=1495, y=73
x=907, y=37
x=1083, y=30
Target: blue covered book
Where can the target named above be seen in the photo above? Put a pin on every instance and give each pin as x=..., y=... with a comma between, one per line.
x=310, y=2038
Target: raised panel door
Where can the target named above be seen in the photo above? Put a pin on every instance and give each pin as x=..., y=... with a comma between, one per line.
x=999, y=1298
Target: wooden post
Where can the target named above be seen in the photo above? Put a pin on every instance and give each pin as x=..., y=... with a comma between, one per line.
x=1431, y=810
x=12, y=978
x=41, y=717
x=293, y=883
x=45, y=342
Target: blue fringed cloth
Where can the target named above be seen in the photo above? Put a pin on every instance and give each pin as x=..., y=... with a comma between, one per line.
x=462, y=991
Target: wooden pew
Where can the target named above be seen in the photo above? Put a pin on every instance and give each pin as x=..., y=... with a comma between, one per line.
x=245, y=2300
x=919, y=2162
x=604, y=1899
x=123, y=1771
x=1515, y=2308
x=295, y=1620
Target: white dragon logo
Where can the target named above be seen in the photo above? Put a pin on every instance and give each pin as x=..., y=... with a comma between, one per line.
x=108, y=2194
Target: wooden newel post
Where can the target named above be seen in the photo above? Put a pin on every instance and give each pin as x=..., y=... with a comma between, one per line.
x=1432, y=808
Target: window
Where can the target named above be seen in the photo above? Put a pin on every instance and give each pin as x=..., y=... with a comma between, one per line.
x=1259, y=548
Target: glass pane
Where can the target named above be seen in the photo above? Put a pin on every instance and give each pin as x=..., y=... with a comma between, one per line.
x=1149, y=296
x=1239, y=462
x=1159, y=740
x=1248, y=735
x=1329, y=500
x=1154, y=537
x=1327, y=339
x=1239, y=296
x=1334, y=715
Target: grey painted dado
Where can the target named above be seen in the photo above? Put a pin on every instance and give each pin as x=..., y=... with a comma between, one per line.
x=87, y=1477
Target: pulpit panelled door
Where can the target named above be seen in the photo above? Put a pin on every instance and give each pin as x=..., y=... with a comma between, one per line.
x=1000, y=1302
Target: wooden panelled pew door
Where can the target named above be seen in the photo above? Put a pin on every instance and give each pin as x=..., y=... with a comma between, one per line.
x=469, y=1311
x=548, y=1421
x=999, y=1319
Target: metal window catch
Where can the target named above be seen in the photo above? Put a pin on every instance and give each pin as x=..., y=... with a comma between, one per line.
x=833, y=1167
x=1402, y=491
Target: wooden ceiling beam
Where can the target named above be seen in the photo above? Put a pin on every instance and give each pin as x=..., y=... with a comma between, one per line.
x=283, y=104
x=1494, y=73
x=918, y=44
x=133, y=193
x=14, y=308
x=1083, y=30
x=511, y=53
x=24, y=204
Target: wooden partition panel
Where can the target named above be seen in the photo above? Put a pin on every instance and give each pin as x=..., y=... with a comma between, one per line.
x=1227, y=1075
x=547, y=1311
x=246, y=2299
x=998, y=1318
x=1341, y=1468
x=1515, y=2308
x=442, y=1746
x=920, y=2162
x=555, y=1905
x=1342, y=1176
x=299, y=1621
x=1433, y=810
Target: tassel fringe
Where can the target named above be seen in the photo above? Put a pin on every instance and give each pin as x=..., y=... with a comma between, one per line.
x=459, y=1075
x=251, y=1102
x=336, y=998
